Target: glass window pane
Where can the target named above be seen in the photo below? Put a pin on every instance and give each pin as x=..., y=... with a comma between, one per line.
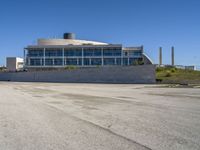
x=135, y=53
x=125, y=61
x=35, y=53
x=72, y=52
x=49, y=62
x=58, y=62
x=118, y=61
x=35, y=62
x=86, y=61
x=71, y=61
x=53, y=53
x=96, y=61
x=113, y=52
x=80, y=61
x=109, y=61
x=92, y=52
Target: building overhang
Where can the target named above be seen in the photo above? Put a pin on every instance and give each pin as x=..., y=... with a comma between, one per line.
x=72, y=46
x=133, y=48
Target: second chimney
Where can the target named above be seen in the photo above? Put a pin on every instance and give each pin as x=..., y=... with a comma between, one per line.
x=160, y=56
x=172, y=56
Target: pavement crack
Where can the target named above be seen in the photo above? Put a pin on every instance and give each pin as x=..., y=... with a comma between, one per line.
x=101, y=128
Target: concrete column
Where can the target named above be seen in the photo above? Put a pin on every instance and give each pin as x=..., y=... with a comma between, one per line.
x=44, y=57
x=102, y=59
x=90, y=61
x=40, y=61
x=82, y=57
x=53, y=61
x=63, y=56
x=77, y=62
x=128, y=58
x=115, y=61
x=65, y=61
x=128, y=61
x=122, y=58
x=25, y=57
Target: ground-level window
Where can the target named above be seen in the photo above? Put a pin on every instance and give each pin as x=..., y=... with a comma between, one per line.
x=96, y=61
x=58, y=62
x=49, y=62
x=71, y=61
x=125, y=61
x=109, y=61
x=118, y=61
x=86, y=61
x=36, y=62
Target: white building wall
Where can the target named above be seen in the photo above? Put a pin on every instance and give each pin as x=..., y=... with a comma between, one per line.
x=14, y=63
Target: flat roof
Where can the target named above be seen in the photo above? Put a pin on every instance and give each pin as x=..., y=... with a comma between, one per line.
x=73, y=46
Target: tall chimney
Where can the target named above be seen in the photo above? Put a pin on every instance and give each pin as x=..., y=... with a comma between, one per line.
x=172, y=56
x=160, y=56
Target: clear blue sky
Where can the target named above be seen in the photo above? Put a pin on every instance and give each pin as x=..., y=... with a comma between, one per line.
x=151, y=23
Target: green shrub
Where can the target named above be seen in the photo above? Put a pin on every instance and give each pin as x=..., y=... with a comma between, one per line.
x=98, y=66
x=159, y=69
x=173, y=70
x=138, y=62
x=168, y=74
x=70, y=67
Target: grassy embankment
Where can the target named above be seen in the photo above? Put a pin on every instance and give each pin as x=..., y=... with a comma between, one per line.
x=177, y=76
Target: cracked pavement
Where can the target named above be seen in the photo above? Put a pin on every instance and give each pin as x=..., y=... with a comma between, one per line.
x=56, y=116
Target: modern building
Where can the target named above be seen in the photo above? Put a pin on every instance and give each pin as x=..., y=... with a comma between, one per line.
x=186, y=67
x=51, y=60
x=14, y=63
x=69, y=51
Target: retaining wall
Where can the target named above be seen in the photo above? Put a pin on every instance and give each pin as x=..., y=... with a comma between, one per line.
x=115, y=74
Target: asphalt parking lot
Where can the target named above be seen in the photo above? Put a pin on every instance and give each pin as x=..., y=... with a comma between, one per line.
x=55, y=116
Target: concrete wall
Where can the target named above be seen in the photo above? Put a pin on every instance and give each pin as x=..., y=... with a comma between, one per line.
x=129, y=74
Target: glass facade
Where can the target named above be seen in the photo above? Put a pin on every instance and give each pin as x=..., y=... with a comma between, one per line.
x=135, y=53
x=112, y=52
x=86, y=61
x=58, y=62
x=36, y=62
x=35, y=53
x=118, y=61
x=132, y=61
x=109, y=61
x=71, y=52
x=92, y=52
x=71, y=61
x=125, y=61
x=53, y=53
x=48, y=62
x=79, y=61
x=85, y=56
x=96, y=61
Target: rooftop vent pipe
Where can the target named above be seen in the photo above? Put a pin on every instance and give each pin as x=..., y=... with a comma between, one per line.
x=69, y=36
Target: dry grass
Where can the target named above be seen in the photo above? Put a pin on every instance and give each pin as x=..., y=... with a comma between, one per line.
x=179, y=76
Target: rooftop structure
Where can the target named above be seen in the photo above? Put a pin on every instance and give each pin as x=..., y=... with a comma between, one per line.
x=70, y=51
